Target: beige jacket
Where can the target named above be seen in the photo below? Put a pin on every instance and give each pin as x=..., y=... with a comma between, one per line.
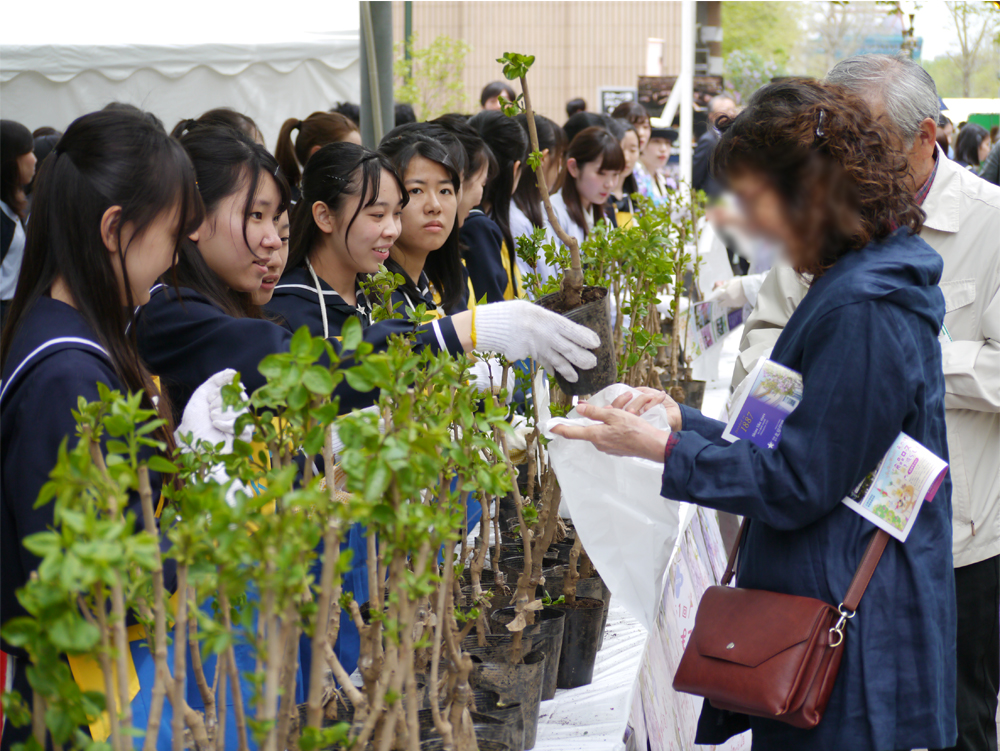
x=963, y=225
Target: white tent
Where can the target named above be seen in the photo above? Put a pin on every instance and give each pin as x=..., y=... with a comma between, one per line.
x=269, y=60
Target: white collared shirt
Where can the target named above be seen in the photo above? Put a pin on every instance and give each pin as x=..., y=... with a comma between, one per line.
x=11, y=267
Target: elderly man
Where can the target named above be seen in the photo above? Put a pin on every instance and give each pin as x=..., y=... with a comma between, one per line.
x=701, y=166
x=963, y=225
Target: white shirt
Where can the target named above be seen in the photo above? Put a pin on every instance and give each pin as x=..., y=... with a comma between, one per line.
x=11, y=267
x=963, y=226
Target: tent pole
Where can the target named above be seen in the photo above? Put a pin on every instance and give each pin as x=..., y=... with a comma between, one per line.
x=376, y=71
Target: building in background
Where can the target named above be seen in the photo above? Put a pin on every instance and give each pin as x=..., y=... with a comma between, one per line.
x=579, y=47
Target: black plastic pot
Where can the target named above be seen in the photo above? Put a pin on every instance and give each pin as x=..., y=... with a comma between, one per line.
x=497, y=600
x=596, y=316
x=514, y=565
x=546, y=635
x=693, y=391
x=593, y=586
x=519, y=683
x=488, y=703
x=498, y=647
x=581, y=632
x=436, y=744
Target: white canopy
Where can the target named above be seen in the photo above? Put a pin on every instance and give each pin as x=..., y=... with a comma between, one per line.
x=268, y=60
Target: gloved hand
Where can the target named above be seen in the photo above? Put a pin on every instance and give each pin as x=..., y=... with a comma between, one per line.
x=205, y=416
x=518, y=329
x=487, y=374
x=731, y=293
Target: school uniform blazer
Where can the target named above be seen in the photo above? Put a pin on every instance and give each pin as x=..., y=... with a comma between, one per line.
x=40, y=390
x=865, y=339
x=483, y=243
x=185, y=339
x=296, y=303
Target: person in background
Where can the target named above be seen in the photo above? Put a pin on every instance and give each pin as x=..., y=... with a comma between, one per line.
x=575, y=105
x=962, y=224
x=594, y=160
x=990, y=169
x=350, y=110
x=480, y=164
x=489, y=98
x=972, y=146
x=701, y=168
x=426, y=252
x=526, y=210
x=132, y=109
x=317, y=130
x=224, y=117
x=17, y=170
x=995, y=135
x=636, y=114
x=492, y=257
x=404, y=114
x=581, y=121
x=866, y=343
x=620, y=201
x=651, y=179
x=947, y=127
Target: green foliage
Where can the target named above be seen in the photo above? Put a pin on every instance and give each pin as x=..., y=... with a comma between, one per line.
x=746, y=71
x=432, y=78
x=516, y=65
x=765, y=29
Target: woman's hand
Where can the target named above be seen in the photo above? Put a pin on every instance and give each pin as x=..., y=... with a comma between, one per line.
x=621, y=433
x=648, y=398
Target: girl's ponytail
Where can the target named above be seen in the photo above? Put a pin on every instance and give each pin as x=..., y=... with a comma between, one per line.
x=284, y=151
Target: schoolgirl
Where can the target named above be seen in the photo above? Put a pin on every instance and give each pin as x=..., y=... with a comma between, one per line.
x=111, y=205
x=480, y=164
x=620, y=200
x=17, y=169
x=492, y=255
x=638, y=117
x=317, y=130
x=426, y=252
x=526, y=210
x=345, y=224
x=593, y=164
x=653, y=183
x=225, y=117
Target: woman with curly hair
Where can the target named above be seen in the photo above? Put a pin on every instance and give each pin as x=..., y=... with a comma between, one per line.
x=814, y=171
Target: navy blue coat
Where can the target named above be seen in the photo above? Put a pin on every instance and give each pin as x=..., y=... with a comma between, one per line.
x=186, y=339
x=865, y=341
x=296, y=303
x=483, y=243
x=36, y=407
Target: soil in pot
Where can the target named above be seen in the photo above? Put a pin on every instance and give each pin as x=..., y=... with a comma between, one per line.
x=580, y=636
x=687, y=391
x=595, y=314
x=546, y=635
x=497, y=599
x=515, y=683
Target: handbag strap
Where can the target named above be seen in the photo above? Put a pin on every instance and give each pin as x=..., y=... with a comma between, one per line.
x=861, y=577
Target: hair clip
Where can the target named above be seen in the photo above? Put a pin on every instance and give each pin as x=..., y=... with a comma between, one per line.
x=277, y=170
x=819, y=126
x=339, y=179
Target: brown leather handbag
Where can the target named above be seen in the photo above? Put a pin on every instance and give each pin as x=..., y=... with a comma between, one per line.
x=770, y=654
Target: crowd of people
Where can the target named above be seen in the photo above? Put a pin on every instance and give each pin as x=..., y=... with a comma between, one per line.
x=130, y=253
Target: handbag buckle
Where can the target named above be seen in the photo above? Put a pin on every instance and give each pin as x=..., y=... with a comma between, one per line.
x=837, y=632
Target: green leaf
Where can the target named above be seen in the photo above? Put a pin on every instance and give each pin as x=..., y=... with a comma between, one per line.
x=301, y=342
x=72, y=633
x=351, y=334
x=158, y=463
x=318, y=380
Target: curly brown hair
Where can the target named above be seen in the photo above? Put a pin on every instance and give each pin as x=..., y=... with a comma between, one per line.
x=832, y=163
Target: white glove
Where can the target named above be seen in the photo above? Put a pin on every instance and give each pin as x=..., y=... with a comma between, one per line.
x=518, y=329
x=487, y=374
x=207, y=419
x=730, y=294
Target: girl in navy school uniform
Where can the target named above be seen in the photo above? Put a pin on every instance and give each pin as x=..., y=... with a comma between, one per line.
x=426, y=252
x=492, y=254
x=111, y=204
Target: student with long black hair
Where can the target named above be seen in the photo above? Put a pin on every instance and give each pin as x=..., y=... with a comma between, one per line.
x=345, y=224
x=426, y=252
x=480, y=164
x=111, y=204
x=317, y=130
x=594, y=161
x=492, y=258
x=620, y=202
x=223, y=116
x=17, y=168
x=526, y=210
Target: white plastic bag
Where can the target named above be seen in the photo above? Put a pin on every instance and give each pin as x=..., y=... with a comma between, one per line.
x=628, y=529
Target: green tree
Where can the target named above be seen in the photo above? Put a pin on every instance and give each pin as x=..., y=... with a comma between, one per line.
x=431, y=77
x=771, y=30
x=976, y=24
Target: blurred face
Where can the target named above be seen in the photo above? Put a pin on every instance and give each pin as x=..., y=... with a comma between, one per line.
x=766, y=213
x=431, y=213
x=366, y=245
x=353, y=137
x=472, y=193
x=26, y=167
x=241, y=263
x=656, y=154
x=493, y=103
x=275, y=265
x=630, y=146
x=147, y=254
x=593, y=183
x=984, y=149
x=643, y=129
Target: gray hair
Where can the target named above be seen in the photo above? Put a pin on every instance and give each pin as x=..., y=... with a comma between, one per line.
x=906, y=90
